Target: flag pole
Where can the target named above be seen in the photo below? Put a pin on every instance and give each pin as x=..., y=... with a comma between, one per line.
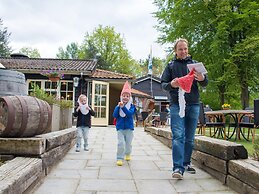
x=150, y=72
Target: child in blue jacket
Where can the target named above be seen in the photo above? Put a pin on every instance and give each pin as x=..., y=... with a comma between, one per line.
x=124, y=113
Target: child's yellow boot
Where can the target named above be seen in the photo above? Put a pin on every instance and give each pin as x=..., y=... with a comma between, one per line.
x=127, y=158
x=119, y=162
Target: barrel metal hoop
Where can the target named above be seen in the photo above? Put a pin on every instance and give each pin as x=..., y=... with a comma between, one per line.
x=11, y=117
x=40, y=126
x=24, y=116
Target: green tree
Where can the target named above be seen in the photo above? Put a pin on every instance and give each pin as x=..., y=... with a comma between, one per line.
x=71, y=52
x=108, y=47
x=30, y=52
x=5, y=49
x=216, y=30
x=158, y=66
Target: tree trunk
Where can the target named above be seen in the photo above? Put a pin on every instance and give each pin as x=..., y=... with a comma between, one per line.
x=222, y=90
x=244, y=95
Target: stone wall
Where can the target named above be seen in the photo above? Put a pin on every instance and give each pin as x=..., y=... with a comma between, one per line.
x=33, y=159
x=226, y=161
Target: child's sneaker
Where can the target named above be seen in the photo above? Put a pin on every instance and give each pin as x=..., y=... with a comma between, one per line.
x=119, y=162
x=77, y=150
x=127, y=158
x=177, y=174
x=86, y=148
x=190, y=169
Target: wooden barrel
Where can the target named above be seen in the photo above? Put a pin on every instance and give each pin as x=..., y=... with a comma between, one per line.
x=23, y=116
x=12, y=83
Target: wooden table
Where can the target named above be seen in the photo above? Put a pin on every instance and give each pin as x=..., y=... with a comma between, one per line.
x=236, y=115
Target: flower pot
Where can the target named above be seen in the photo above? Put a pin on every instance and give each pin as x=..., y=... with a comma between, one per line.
x=54, y=79
x=225, y=108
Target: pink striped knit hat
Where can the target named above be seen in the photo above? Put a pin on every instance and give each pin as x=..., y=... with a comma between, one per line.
x=126, y=88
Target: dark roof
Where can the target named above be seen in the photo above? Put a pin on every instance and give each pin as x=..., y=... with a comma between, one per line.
x=146, y=77
x=139, y=93
x=67, y=66
x=144, y=85
x=36, y=65
x=104, y=74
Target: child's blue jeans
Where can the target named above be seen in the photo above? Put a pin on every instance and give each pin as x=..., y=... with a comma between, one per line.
x=124, y=146
x=82, y=131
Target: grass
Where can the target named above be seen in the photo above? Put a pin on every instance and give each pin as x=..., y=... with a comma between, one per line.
x=247, y=144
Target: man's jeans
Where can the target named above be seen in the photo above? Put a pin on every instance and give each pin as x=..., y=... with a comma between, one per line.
x=124, y=146
x=82, y=132
x=183, y=132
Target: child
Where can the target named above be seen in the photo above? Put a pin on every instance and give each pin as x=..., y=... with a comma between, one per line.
x=83, y=113
x=124, y=113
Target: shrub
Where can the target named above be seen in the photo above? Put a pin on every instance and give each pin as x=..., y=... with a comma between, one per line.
x=66, y=103
x=41, y=94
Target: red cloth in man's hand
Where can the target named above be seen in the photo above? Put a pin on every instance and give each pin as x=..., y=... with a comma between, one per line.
x=185, y=82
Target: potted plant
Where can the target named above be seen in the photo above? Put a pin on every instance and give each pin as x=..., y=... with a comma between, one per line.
x=53, y=74
x=61, y=109
x=226, y=106
x=66, y=111
x=41, y=94
x=53, y=102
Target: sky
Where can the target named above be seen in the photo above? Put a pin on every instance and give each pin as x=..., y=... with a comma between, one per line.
x=49, y=24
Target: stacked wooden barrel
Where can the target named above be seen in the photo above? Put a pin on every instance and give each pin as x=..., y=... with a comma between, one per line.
x=12, y=83
x=23, y=116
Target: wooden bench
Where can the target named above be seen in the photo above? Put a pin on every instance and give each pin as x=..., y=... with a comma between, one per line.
x=17, y=175
x=226, y=161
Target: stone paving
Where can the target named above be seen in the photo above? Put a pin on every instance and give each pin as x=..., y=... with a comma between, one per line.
x=149, y=171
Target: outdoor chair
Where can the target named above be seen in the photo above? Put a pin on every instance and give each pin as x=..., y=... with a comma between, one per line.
x=201, y=122
x=252, y=122
x=203, y=119
x=216, y=123
x=162, y=119
x=144, y=115
x=247, y=119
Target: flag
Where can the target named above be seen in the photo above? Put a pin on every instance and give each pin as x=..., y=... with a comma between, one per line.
x=150, y=63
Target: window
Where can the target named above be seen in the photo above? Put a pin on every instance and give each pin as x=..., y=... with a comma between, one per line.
x=89, y=92
x=100, y=100
x=53, y=88
x=31, y=84
x=66, y=90
x=157, y=107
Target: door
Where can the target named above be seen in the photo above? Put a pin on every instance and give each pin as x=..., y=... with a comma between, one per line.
x=100, y=103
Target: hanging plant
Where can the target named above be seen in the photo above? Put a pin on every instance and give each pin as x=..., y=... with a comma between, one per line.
x=53, y=74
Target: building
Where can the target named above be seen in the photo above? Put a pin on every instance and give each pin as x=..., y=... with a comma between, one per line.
x=151, y=85
x=80, y=76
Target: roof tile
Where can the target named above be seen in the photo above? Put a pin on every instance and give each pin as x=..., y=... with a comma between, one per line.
x=99, y=73
x=45, y=64
x=66, y=66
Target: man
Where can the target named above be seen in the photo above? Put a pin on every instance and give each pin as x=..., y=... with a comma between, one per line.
x=183, y=119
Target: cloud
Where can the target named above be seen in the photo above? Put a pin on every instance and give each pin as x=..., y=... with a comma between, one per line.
x=48, y=25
